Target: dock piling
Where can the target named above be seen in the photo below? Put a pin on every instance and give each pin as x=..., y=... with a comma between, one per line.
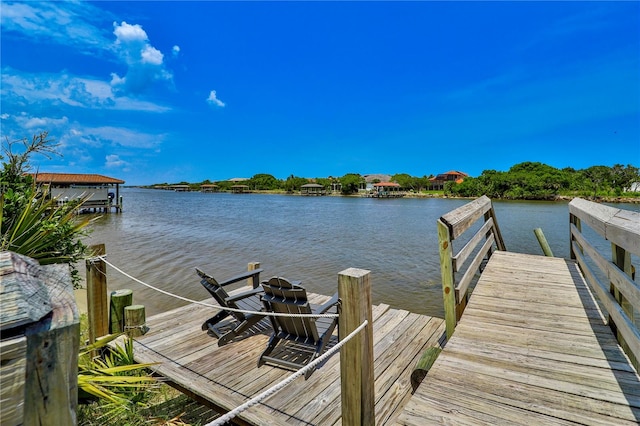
x=356, y=356
x=546, y=249
x=97, y=303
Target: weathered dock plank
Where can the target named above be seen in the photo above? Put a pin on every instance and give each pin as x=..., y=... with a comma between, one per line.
x=228, y=376
x=531, y=348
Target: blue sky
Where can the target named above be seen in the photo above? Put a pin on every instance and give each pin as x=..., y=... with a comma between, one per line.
x=153, y=92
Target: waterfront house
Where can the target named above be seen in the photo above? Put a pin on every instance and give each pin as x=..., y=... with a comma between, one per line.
x=99, y=191
x=440, y=180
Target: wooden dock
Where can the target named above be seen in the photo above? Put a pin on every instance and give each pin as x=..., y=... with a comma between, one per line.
x=226, y=377
x=531, y=348
x=532, y=345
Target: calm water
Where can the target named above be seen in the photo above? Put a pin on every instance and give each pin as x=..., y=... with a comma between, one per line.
x=162, y=236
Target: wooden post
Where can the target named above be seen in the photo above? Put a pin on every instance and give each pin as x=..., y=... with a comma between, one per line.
x=255, y=280
x=97, y=303
x=134, y=320
x=39, y=369
x=423, y=365
x=119, y=300
x=546, y=249
x=446, y=271
x=356, y=356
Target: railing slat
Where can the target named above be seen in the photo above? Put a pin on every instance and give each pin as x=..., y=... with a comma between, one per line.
x=460, y=219
x=624, y=230
x=465, y=281
x=621, y=227
x=624, y=325
x=593, y=214
x=460, y=258
x=621, y=280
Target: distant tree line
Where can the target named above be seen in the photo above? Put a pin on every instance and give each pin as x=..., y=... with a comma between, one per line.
x=537, y=181
x=350, y=183
x=525, y=181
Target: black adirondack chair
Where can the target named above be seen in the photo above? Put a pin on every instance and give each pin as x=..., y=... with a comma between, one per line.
x=296, y=341
x=247, y=300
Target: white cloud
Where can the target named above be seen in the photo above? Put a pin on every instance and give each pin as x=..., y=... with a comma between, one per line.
x=176, y=50
x=126, y=137
x=213, y=99
x=126, y=33
x=114, y=161
x=43, y=123
x=151, y=55
x=145, y=63
x=67, y=23
x=68, y=90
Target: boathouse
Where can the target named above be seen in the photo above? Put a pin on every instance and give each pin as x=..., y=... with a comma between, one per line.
x=240, y=189
x=312, y=189
x=387, y=190
x=101, y=192
x=209, y=187
x=180, y=188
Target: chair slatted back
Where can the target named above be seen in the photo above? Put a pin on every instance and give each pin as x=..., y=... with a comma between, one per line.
x=219, y=293
x=281, y=296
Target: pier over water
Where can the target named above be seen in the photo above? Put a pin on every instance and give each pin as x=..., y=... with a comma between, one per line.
x=531, y=339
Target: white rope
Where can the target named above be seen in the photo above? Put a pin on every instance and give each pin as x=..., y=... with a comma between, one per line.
x=279, y=386
x=218, y=307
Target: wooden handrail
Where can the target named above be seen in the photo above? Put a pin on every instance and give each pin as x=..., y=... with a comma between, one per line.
x=451, y=226
x=620, y=296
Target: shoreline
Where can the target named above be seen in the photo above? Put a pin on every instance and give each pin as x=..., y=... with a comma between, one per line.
x=599, y=199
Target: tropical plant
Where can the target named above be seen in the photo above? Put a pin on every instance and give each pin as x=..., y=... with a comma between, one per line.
x=114, y=380
x=32, y=223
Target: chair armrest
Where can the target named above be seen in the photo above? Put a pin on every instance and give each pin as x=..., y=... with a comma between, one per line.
x=328, y=304
x=255, y=274
x=244, y=295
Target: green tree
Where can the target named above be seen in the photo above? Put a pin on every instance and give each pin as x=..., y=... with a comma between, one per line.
x=423, y=182
x=623, y=177
x=325, y=182
x=263, y=181
x=405, y=180
x=351, y=182
x=225, y=185
x=293, y=183
x=599, y=178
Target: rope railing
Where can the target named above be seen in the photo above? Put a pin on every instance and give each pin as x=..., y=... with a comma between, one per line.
x=283, y=383
x=210, y=305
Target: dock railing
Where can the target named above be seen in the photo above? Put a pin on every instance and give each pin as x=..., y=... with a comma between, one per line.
x=452, y=226
x=612, y=281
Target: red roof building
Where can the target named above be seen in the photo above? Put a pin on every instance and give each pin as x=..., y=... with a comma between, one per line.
x=439, y=181
x=74, y=179
x=97, y=191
